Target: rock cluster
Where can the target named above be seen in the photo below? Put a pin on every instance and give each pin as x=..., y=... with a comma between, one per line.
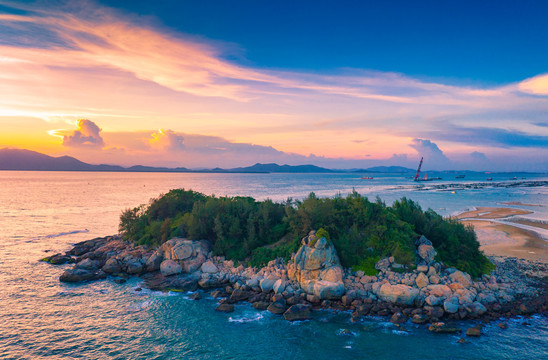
x=314, y=278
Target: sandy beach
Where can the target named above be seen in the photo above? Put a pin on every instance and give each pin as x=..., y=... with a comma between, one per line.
x=504, y=239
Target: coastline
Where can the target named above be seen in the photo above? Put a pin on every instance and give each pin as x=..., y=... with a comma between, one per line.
x=499, y=234
x=430, y=295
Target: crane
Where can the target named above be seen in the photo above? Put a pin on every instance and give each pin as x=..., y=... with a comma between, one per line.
x=418, y=171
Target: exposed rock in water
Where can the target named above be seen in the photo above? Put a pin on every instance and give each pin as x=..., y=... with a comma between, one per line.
x=442, y=328
x=59, y=259
x=239, y=295
x=474, y=331
x=261, y=305
x=82, y=274
x=298, y=312
x=277, y=307
x=225, y=307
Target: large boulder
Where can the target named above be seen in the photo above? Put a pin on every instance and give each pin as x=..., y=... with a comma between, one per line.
x=112, y=266
x=426, y=253
x=209, y=267
x=461, y=278
x=398, y=294
x=134, y=266
x=170, y=267
x=267, y=284
x=332, y=274
x=327, y=290
x=451, y=305
x=277, y=307
x=189, y=254
x=317, y=261
x=154, y=261
x=279, y=286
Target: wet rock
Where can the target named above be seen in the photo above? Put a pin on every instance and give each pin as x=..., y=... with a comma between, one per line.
x=434, y=312
x=59, y=259
x=239, y=295
x=442, y=328
x=218, y=293
x=225, y=307
x=398, y=318
x=82, y=274
x=260, y=305
x=119, y=280
x=419, y=319
x=195, y=296
x=277, y=307
x=503, y=325
x=474, y=331
x=298, y=312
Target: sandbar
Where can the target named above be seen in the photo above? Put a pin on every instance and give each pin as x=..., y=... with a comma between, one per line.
x=492, y=213
x=507, y=240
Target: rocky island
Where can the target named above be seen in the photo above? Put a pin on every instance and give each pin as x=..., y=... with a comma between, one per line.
x=424, y=290
x=314, y=278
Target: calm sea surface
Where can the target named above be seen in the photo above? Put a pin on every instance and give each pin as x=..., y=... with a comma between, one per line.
x=45, y=212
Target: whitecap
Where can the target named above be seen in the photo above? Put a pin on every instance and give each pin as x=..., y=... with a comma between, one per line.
x=246, y=319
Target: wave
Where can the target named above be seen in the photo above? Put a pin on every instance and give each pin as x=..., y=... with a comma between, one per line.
x=246, y=319
x=61, y=234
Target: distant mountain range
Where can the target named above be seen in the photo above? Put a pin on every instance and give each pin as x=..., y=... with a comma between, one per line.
x=19, y=159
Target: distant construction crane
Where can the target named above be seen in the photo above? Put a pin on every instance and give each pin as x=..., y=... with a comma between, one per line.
x=418, y=171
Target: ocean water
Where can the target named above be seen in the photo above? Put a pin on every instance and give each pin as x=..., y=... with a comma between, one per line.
x=43, y=213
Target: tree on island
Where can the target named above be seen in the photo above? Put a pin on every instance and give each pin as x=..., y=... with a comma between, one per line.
x=243, y=229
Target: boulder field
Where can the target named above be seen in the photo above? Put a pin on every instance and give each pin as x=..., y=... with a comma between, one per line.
x=313, y=278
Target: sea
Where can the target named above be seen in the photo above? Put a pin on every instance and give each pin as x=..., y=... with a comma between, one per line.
x=43, y=213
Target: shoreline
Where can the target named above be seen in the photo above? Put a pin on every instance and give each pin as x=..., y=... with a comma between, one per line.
x=499, y=234
x=431, y=294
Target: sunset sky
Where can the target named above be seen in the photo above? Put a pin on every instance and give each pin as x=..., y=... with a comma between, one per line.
x=341, y=84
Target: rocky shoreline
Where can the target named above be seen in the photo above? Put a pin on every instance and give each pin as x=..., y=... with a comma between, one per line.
x=429, y=293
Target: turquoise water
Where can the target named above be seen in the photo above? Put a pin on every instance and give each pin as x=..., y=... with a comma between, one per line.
x=42, y=318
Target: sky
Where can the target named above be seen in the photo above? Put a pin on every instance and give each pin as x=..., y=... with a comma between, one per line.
x=340, y=84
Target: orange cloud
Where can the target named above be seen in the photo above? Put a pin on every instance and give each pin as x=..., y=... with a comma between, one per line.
x=88, y=135
x=537, y=85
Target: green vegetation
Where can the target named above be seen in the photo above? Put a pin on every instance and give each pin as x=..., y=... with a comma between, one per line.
x=242, y=228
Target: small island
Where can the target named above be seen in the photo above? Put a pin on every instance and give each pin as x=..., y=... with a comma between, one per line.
x=341, y=253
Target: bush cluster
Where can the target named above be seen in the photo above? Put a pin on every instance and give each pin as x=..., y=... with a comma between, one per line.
x=362, y=231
